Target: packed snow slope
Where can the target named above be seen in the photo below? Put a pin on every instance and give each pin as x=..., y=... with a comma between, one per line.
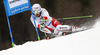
x=80, y=43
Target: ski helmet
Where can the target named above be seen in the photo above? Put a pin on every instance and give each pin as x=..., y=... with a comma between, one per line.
x=36, y=8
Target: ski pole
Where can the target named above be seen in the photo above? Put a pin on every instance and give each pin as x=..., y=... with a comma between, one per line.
x=71, y=18
x=78, y=17
x=44, y=32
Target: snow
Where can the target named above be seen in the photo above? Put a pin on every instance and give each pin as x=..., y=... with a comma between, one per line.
x=80, y=43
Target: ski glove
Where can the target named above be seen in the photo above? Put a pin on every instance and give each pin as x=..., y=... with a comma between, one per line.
x=42, y=20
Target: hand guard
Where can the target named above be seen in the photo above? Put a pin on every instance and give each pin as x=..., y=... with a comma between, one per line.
x=42, y=21
x=42, y=26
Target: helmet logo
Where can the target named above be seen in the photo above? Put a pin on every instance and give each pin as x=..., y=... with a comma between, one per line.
x=36, y=7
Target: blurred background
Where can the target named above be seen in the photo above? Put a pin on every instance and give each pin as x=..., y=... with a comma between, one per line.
x=23, y=30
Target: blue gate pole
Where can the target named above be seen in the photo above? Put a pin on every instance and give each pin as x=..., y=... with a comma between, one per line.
x=10, y=31
x=36, y=28
x=4, y=1
x=34, y=22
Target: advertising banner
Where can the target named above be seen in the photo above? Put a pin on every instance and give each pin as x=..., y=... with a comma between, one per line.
x=16, y=6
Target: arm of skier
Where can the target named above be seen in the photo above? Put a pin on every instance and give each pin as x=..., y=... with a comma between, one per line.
x=37, y=24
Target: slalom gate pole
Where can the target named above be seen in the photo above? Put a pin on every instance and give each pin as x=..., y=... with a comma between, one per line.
x=35, y=23
x=10, y=31
x=36, y=28
x=9, y=24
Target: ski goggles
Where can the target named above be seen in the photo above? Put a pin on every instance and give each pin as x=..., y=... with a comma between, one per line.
x=36, y=12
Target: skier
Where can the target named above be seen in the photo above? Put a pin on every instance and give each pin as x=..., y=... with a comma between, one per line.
x=46, y=23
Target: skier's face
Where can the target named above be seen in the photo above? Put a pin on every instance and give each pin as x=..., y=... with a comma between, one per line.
x=37, y=15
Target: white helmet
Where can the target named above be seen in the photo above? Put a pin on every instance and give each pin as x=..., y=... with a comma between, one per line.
x=36, y=8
